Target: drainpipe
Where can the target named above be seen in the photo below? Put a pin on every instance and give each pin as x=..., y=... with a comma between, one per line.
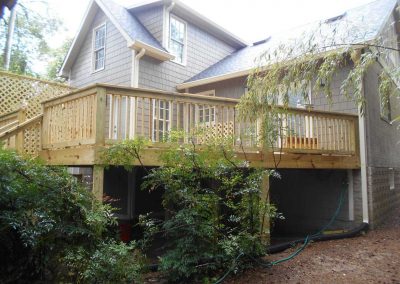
x=135, y=67
x=363, y=160
x=166, y=23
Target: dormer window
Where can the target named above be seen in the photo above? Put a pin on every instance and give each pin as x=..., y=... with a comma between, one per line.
x=177, y=39
x=99, y=47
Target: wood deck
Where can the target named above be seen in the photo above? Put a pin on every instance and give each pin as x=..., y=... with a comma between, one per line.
x=74, y=128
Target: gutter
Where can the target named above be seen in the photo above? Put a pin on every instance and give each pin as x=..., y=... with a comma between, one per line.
x=135, y=67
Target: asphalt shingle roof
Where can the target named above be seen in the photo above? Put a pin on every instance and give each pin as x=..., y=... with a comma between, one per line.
x=357, y=25
x=131, y=25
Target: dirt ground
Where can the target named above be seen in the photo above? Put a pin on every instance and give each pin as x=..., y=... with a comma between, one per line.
x=371, y=258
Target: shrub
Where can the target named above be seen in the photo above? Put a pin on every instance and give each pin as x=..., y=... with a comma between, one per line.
x=47, y=218
x=215, y=215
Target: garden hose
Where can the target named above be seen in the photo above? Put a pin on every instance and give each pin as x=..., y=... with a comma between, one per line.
x=318, y=236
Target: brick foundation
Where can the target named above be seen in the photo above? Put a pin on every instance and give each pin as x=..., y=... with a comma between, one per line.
x=381, y=199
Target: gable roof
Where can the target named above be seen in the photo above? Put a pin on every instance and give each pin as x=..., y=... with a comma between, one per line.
x=136, y=35
x=358, y=25
x=194, y=17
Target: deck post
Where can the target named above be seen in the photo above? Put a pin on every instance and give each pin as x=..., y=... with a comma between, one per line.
x=19, y=141
x=98, y=182
x=98, y=170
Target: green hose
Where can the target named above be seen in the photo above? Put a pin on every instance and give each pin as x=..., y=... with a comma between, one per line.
x=306, y=242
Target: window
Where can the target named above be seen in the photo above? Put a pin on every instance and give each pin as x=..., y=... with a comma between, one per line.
x=207, y=113
x=99, y=47
x=177, y=39
x=161, y=120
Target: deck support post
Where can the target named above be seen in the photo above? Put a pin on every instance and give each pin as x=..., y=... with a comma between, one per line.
x=98, y=170
x=98, y=182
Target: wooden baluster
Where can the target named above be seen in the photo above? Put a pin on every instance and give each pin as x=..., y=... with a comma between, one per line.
x=151, y=119
x=178, y=116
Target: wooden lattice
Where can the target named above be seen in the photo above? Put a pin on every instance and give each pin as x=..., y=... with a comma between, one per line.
x=18, y=91
x=219, y=132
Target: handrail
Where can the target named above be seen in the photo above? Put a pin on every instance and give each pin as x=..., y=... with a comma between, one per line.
x=142, y=92
x=6, y=127
x=20, y=127
x=8, y=115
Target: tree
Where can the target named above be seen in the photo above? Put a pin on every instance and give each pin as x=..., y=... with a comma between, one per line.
x=312, y=59
x=57, y=56
x=28, y=40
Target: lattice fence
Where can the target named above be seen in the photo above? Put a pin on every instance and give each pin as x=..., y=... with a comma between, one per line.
x=17, y=91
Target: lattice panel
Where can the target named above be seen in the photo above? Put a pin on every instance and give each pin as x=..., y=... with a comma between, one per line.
x=16, y=90
x=216, y=132
x=32, y=137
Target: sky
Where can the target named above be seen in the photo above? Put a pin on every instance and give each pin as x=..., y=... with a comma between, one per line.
x=251, y=20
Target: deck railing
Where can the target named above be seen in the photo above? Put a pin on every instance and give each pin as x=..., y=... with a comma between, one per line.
x=103, y=114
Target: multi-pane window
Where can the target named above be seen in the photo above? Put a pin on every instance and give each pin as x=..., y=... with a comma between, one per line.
x=161, y=120
x=206, y=114
x=177, y=39
x=99, y=47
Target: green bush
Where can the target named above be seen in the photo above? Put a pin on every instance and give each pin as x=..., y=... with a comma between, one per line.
x=48, y=221
x=216, y=218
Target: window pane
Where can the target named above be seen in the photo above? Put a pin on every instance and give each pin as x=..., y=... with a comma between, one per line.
x=100, y=38
x=99, y=59
x=177, y=50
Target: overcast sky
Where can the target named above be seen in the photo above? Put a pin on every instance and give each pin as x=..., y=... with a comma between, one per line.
x=251, y=20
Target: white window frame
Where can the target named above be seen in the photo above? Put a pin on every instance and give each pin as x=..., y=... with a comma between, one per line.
x=210, y=118
x=94, y=70
x=157, y=110
x=184, y=55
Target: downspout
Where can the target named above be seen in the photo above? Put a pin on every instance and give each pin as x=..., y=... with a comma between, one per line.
x=363, y=159
x=166, y=23
x=135, y=67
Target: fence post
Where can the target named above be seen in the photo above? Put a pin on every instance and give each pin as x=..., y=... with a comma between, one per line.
x=19, y=140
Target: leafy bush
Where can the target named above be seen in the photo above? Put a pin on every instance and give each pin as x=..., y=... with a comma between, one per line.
x=48, y=219
x=216, y=218
x=110, y=262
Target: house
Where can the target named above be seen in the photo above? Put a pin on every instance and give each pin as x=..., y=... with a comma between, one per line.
x=151, y=67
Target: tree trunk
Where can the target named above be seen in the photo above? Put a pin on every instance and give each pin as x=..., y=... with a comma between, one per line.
x=10, y=34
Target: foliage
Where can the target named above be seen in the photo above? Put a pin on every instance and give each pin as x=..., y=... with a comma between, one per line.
x=34, y=25
x=110, y=262
x=57, y=56
x=309, y=64
x=214, y=207
x=47, y=220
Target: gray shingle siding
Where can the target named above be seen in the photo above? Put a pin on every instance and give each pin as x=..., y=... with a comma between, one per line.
x=118, y=58
x=152, y=19
x=203, y=50
x=233, y=88
x=382, y=137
